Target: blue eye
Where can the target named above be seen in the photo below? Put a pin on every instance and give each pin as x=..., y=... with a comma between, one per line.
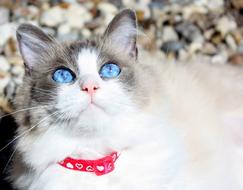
x=63, y=75
x=110, y=70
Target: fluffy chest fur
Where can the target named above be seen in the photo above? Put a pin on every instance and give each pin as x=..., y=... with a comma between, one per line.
x=88, y=99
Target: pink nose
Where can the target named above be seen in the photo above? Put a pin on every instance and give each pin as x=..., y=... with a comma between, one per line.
x=90, y=87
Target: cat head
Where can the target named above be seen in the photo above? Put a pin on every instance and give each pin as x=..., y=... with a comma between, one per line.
x=83, y=84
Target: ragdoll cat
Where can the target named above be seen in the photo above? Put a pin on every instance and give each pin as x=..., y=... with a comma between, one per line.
x=104, y=116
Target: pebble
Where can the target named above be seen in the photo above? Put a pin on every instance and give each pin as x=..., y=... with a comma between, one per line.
x=192, y=9
x=190, y=32
x=216, y=5
x=85, y=33
x=236, y=59
x=4, y=15
x=220, y=58
x=169, y=34
x=238, y=4
x=195, y=47
x=6, y=32
x=226, y=25
x=28, y=13
x=52, y=17
x=76, y=16
x=18, y=71
x=172, y=46
x=65, y=33
x=4, y=65
x=16, y=60
x=4, y=80
x=181, y=2
x=209, y=49
x=230, y=41
x=107, y=8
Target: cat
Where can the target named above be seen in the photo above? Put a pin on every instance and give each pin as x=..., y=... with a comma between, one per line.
x=141, y=123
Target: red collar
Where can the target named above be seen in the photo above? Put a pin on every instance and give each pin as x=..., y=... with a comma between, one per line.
x=99, y=167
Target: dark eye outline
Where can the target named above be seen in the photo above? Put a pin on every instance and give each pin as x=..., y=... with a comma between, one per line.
x=67, y=69
x=107, y=63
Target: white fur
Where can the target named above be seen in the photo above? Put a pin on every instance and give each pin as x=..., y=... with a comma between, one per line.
x=162, y=148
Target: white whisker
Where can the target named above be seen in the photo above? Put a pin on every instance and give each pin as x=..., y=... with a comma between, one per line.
x=24, y=109
x=27, y=131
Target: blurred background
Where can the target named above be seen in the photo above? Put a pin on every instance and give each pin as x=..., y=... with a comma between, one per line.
x=183, y=30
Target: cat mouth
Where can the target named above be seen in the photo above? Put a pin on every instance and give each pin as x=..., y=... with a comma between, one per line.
x=92, y=105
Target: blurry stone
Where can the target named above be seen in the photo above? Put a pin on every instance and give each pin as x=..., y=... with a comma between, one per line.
x=93, y=24
x=64, y=5
x=169, y=34
x=65, y=33
x=226, y=25
x=63, y=29
x=209, y=49
x=159, y=4
x=4, y=80
x=16, y=60
x=4, y=65
x=96, y=2
x=85, y=33
x=4, y=105
x=6, y=32
x=76, y=15
x=190, y=32
x=183, y=55
x=182, y=2
x=10, y=90
x=52, y=17
x=216, y=38
x=237, y=36
x=10, y=47
x=18, y=71
x=230, y=41
x=220, y=58
x=140, y=15
x=238, y=4
x=143, y=11
x=172, y=46
x=236, y=59
x=29, y=12
x=195, y=47
x=72, y=36
x=192, y=9
x=4, y=15
x=117, y=3
x=148, y=41
x=199, y=19
x=136, y=4
x=208, y=34
x=55, y=2
x=216, y=5
x=107, y=8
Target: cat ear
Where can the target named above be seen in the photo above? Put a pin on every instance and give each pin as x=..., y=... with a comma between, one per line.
x=122, y=32
x=34, y=45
